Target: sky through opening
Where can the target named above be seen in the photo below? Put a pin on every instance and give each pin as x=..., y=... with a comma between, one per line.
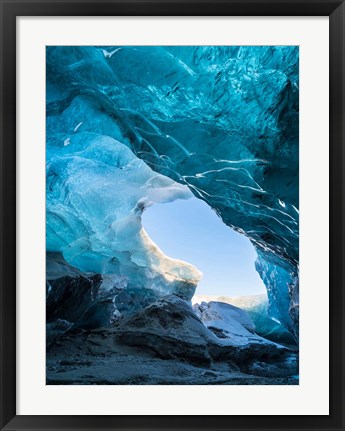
x=191, y=231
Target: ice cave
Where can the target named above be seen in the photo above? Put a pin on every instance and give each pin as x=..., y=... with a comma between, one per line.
x=132, y=128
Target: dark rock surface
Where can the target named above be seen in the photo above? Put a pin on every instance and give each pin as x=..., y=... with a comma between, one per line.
x=69, y=297
x=165, y=343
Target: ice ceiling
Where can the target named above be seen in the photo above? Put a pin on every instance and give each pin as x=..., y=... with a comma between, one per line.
x=128, y=127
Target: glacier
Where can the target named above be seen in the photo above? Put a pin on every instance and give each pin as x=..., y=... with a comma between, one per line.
x=97, y=190
x=258, y=312
x=132, y=126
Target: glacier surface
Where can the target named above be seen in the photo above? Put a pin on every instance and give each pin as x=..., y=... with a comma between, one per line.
x=257, y=309
x=128, y=127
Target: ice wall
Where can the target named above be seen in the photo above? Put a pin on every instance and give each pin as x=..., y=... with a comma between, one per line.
x=219, y=122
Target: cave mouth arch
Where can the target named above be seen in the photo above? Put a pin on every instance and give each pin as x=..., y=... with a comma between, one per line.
x=191, y=231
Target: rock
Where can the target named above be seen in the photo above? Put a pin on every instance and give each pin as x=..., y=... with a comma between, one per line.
x=98, y=315
x=55, y=329
x=69, y=297
x=170, y=329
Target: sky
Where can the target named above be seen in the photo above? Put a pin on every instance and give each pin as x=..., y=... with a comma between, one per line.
x=191, y=231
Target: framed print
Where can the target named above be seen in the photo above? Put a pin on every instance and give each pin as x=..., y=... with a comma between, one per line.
x=172, y=215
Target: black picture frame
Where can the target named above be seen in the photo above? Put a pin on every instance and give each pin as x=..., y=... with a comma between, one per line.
x=10, y=9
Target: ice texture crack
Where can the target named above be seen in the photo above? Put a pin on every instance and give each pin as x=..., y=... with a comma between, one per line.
x=131, y=126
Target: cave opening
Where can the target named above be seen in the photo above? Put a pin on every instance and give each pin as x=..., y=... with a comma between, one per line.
x=191, y=231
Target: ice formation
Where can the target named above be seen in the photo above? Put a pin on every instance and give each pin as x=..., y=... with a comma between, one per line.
x=128, y=127
x=97, y=189
x=226, y=319
x=257, y=309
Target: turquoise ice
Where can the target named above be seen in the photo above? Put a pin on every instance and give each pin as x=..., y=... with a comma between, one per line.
x=128, y=127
